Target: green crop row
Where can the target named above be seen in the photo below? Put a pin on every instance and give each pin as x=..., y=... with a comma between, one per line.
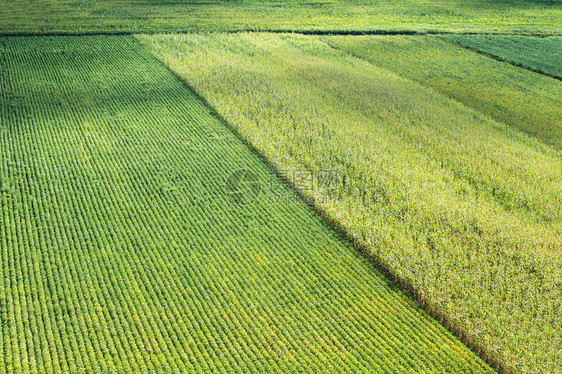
x=538, y=54
x=127, y=16
x=121, y=250
x=526, y=100
x=462, y=209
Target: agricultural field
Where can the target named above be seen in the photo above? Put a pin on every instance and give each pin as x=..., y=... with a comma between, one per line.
x=543, y=55
x=526, y=100
x=129, y=16
x=126, y=246
x=463, y=210
x=280, y=186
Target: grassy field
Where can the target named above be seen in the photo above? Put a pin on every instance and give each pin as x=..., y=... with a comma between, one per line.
x=461, y=209
x=528, y=101
x=125, y=246
x=115, y=16
x=543, y=55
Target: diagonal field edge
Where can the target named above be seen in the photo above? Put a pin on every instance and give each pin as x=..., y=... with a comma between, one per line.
x=338, y=226
x=76, y=145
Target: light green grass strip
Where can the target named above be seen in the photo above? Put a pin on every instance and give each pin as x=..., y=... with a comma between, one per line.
x=525, y=100
x=121, y=250
x=461, y=209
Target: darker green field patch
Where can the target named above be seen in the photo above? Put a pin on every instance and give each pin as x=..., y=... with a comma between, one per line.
x=543, y=55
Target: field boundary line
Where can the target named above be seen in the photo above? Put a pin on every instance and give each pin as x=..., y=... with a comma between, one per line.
x=537, y=34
